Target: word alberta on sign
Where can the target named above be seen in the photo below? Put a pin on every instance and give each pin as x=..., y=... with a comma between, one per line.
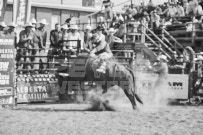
x=7, y=70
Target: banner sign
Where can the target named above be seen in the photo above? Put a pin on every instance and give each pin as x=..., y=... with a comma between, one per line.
x=7, y=69
x=3, y=4
x=22, y=9
x=31, y=89
x=178, y=84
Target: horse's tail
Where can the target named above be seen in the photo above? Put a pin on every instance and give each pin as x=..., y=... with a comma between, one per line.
x=134, y=87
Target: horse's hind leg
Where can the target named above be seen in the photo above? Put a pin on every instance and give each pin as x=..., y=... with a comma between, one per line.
x=131, y=98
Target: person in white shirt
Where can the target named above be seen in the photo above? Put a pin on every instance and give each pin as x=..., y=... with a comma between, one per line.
x=172, y=11
x=192, y=7
x=180, y=10
x=73, y=46
x=155, y=19
x=87, y=39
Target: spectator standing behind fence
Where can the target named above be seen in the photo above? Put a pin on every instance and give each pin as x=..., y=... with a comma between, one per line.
x=55, y=39
x=64, y=42
x=24, y=45
x=39, y=41
x=34, y=24
x=131, y=12
x=87, y=39
x=74, y=35
x=11, y=31
x=108, y=9
x=2, y=28
x=121, y=29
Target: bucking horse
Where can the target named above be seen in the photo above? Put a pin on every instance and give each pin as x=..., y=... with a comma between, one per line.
x=83, y=69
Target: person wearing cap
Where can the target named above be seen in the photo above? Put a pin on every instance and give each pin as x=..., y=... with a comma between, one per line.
x=39, y=41
x=87, y=39
x=11, y=29
x=73, y=46
x=34, y=24
x=101, y=50
x=55, y=39
x=160, y=87
x=25, y=43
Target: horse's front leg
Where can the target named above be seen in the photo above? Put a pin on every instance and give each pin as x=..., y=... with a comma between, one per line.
x=131, y=98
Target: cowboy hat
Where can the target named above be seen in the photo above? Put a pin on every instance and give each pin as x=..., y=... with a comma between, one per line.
x=12, y=24
x=33, y=20
x=44, y=21
x=2, y=24
x=111, y=30
x=74, y=27
x=88, y=27
x=28, y=25
x=64, y=27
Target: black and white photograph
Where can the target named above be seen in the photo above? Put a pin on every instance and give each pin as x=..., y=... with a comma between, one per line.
x=101, y=67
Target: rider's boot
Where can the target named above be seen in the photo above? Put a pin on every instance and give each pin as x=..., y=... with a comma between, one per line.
x=102, y=68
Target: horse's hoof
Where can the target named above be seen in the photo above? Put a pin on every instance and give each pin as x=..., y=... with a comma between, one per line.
x=104, y=91
x=135, y=108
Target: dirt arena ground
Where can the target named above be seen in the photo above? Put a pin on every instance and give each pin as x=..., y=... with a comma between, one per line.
x=74, y=119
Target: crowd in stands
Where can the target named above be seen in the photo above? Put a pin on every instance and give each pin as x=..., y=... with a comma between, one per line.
x=166, y=14
x=67, y=38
